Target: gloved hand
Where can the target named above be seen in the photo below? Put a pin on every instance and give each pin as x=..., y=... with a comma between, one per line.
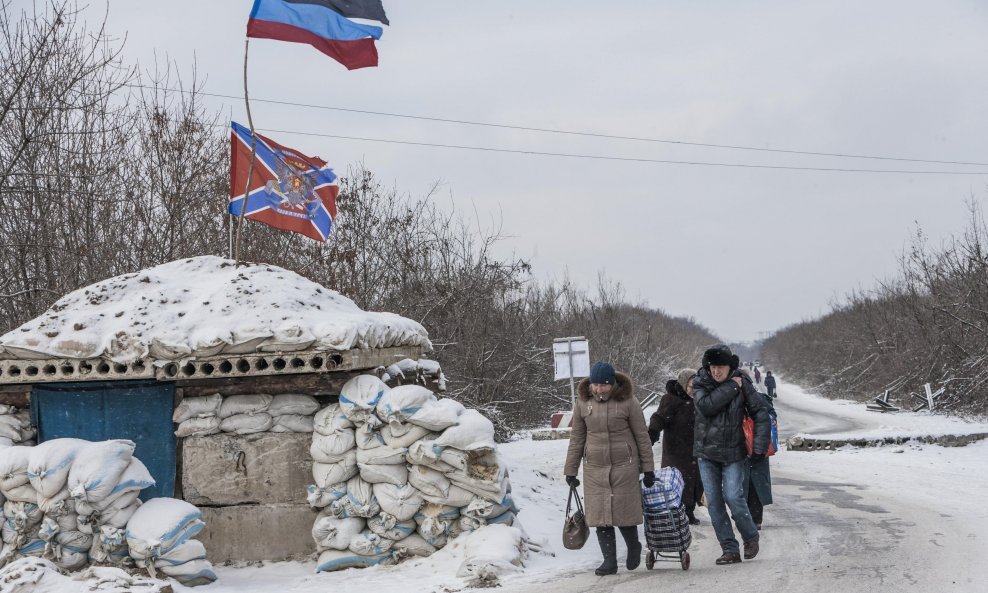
x=648, y=479
x=572, y=481
x=756, y=457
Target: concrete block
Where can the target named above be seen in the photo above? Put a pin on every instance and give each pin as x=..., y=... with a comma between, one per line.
x=258, y=532
x=262, y=468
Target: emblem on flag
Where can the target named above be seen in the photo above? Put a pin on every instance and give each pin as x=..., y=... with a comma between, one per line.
x=288, y=190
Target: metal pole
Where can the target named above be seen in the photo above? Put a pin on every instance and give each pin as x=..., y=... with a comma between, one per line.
x=253, y=154
x=572, y=381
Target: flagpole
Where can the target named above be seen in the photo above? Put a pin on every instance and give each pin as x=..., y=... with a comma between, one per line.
x=253, y=153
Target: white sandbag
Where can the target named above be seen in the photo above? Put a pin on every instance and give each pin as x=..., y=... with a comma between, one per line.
x=330, y=448
x=118, y=517
x=235, y=405
x=13, y=467
x=56, y=505
x=408, y=436
x=185, y=552
x=455, y=497
x=117, y=501
x=400, y=501
x=368, y=435
x=331, y=532
x=472, y=432
x=485, y=509
x=428, y=481
x=326, y=474
x=10, y=428
x=197, y=407
x=330, y=419
x=292, y=423
x=438, y=415
x=494, y=491
x=191, y=574
x=383, y=474
x=401, y=403
x=247, y=423
x=435, y=522
x=110, y=547
x=6, y=409
x=159, y=525
x=368, y=543
x=293, y=403
x=70, y=549
x=22, y=493
x=98, y=468
x=388, y=526
x=492, y=551
x=467, y=523
x=66, y=521
x=359, y=397
x=5, y=442
x=49, y=464
x=424, y=453
x=332, y=560
x=319, y=496
x=382, y=455
x=358, y=502
x=505, y=518
x=414, y=545
x=198, y=427
x=134, y=479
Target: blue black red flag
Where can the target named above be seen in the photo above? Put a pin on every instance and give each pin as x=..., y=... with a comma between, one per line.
x=288, y=190
x=324, y=25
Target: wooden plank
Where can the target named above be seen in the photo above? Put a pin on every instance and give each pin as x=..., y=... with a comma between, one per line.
x=310, y=383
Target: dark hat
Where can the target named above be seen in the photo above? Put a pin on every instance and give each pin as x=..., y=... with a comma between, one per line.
x=601, y=372
x=684, y=376
x=719, y=355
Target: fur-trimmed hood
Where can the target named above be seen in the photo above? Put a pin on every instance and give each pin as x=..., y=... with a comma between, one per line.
x=673, y=387
x=623, y=388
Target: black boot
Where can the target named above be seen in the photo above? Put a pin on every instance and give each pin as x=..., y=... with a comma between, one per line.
x=608, y=547
x=630, y=535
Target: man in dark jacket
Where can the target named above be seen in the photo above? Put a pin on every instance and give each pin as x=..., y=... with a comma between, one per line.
x=723, y=396
x=770, y=384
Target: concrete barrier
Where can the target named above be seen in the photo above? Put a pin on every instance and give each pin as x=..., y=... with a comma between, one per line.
x=258, y=532
x=825, y=444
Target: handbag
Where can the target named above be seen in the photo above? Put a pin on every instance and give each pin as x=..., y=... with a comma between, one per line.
x=748, y=427
x=575, y=529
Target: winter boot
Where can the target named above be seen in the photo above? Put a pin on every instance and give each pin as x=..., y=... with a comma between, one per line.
x=608, y=547
x=630, y=535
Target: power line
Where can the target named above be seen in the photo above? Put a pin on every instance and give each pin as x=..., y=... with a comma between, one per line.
x=572, y=132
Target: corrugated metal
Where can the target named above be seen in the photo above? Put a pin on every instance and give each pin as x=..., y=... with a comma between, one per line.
x=137, y=410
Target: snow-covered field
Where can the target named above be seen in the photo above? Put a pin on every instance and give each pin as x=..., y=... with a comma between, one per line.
x=892, y=518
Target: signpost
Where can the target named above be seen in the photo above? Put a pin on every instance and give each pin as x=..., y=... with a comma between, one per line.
x=571, y=357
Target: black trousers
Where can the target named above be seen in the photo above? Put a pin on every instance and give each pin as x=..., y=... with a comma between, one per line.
x=754, y=505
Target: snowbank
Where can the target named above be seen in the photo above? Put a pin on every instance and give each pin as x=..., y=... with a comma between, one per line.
x=204, y=306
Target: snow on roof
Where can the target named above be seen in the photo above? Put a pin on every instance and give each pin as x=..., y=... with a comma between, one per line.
x=204, y=306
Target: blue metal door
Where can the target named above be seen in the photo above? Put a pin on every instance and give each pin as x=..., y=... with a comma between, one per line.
x=137, y=410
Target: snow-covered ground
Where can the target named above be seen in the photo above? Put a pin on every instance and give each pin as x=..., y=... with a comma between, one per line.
x=893, y=518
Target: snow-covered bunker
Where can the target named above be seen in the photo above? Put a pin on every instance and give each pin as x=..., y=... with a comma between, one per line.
x=117, y=359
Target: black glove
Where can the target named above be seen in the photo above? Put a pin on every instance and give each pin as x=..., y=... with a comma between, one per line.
x=648, y=479
x=756, y=457
x=572, y=481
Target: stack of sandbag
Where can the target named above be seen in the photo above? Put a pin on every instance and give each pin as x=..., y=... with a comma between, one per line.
x=422, y=371
x=21, y=515
x=159, y=537
x=399, y=473
x=48, y=469
x=244, y=414
x=16, y=427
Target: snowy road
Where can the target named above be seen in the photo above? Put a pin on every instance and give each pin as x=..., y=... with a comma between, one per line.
x=890, y=519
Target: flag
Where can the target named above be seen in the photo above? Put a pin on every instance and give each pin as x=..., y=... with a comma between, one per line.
x=288, y=190
x=352, y=9
x=322, y=25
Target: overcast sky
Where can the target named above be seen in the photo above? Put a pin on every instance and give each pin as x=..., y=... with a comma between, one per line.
x=742, y=250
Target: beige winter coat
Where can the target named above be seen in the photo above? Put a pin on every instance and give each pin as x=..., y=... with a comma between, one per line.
x=610, y=438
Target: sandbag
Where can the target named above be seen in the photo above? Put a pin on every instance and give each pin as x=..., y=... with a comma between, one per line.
x=331, y=560
x=406, y=438
x=424, y=453
x=197, y=407
x=22, y=493
x=331, y=448
x=472, y=432
x=401, y=403
x=235, y=405
x=382, y=455
x=110, y=547
x=455, y=497
x=134, y=479
x=414, y=545
x=428, y=481
x=435, y=522
x=198, y=427
x=330, y=419
x=161, y=524
x=10, y=428
x=386, y=525
x=292, y=423
x=117, y=501
x=70, y=549
x=56, y=505
x=192, y=573
x=334, y=533
x=396, y=474
x=400, y=501
x=358, y=502
x=118, y=517
x=368, y=543
x=293, y=403
x=185, y=552
x=359, y=397
x=49, y=464
x=494, y=491
x=326, y=474
x=247, y=423
x=485, y=509
x=494, y=550
x=438, y=415
x=320, y=497
x=368, y=435
x=98, y=468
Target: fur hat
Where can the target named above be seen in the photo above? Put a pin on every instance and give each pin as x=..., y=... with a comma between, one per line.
x=719, y=355
x=601, y=372
x=684, y=377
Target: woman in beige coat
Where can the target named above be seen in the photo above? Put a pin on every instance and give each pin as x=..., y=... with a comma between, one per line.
x=610, y=437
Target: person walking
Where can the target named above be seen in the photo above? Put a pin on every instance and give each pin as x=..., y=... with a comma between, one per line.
x=675, y=417
x=758, y=477
x=610, y=438
x=770, y=385
x=758, y=376
x=723, y=396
